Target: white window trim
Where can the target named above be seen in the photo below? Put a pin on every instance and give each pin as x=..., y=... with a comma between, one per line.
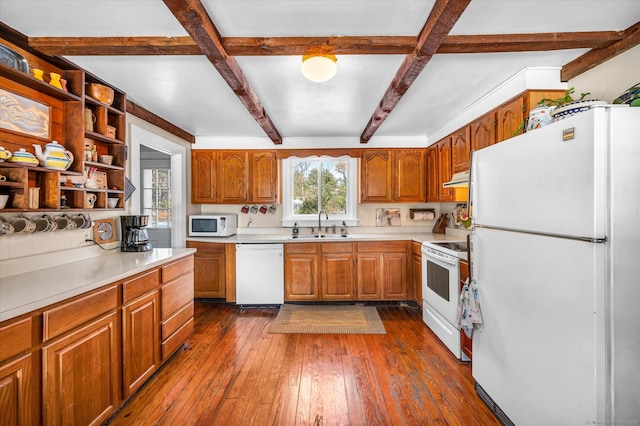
x=351, y=218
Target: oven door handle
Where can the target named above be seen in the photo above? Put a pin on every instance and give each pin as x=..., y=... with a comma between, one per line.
x=438, y=258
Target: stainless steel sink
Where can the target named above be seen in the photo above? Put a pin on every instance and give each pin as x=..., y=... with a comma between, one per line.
x=319, y=237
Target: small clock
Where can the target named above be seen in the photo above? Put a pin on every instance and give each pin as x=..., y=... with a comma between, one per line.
x=104, y=231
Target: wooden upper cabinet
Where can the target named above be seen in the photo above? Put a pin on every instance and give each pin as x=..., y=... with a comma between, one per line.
x=233, y=177
x=204, y=177
x=410, y=182
x=264, y=177
x=460, y=150
x=509, y=117
x=432, y=174
x=444, y=169
x=376, y=176
x=393, y=175
x=482, y=132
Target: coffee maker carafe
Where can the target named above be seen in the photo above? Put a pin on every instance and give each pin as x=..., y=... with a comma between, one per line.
x=134, y=236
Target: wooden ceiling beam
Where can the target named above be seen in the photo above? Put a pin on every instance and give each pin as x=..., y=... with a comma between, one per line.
x=345, y=45
x=158, y=121
x=115, y=46
x=194, y=18
x=443, y=16
x=631, y=38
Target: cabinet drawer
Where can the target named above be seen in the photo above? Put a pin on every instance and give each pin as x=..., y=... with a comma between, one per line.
x=177, y=268
x=176, y=320
x=382, y=247
x=140, y=284
x=176, y=294
x=170, y=345
x=337, y=247
x=307, y=248
x=209, y=247
x=15, y=338
x=63, y=318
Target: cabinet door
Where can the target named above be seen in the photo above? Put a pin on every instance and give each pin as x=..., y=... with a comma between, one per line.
x=203, y=177
x=444, y=169
x=18, y=392
x=369, y=275
x=466, y=343
x=338, y=277
x=460, y=150
x=209, y=274
x=301, y=280
x=394, y=278
x=264, y=177
x=376, y=176
x=509, y=117
x=410, y=183
x=482, y=132
x=417, y=278
x=233, y=177
x=80, y=382
x=140, y=341
x=433, y=191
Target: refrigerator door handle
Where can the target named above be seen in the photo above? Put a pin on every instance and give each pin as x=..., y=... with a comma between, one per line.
x=544, y=234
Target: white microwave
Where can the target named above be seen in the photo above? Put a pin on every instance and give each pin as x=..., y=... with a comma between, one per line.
x=213, y=225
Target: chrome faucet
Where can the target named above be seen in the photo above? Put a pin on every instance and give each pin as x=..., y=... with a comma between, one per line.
x=326, y=216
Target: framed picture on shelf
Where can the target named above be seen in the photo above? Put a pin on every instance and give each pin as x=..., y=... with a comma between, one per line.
x=101, y=179
x=22, y=115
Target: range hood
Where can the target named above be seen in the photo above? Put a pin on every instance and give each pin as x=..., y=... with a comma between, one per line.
x=459, y=180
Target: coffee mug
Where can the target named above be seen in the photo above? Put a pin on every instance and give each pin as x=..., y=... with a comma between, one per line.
x=62, y=222
x=22, y=224
x=89, y=200
x=71, y=224
x=5, y=227
x=81, y=221
x=45, y=223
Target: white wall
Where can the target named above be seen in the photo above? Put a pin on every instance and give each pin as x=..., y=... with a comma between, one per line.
x=611, y=79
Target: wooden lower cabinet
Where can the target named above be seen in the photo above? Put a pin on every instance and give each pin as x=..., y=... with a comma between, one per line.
x=76, y=362
x=346, y=271
x=465, y=342
x=338, y=272
x=382, y=270
x=176, y=305
x=19, y=392
x=416, y=266
x=140, y=341
x=209, y=270
x=301, y=272
x=80, y=383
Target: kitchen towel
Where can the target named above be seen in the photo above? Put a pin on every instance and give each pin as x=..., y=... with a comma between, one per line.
x=469, y=314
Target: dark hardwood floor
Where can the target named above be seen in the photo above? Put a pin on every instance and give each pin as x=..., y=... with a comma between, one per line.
x=233, y=372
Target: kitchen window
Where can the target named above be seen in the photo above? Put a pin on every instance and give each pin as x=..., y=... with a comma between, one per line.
x=313, y=184
x=156, y=197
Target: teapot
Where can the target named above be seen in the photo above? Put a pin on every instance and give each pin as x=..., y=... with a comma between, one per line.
x=55, y=156
x=5, y=154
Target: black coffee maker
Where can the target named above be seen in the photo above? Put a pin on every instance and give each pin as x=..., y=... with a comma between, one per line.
x=134, y=236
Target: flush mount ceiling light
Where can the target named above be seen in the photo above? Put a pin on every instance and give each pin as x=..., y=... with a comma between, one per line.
x=319, y=68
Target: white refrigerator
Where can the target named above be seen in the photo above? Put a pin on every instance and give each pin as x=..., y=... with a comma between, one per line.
x=556, y=258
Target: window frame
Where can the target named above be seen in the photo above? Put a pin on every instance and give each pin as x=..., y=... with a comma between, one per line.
x=148, y=210
x=307, y=220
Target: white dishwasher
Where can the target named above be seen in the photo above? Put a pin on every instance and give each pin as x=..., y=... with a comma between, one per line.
x=259, y=274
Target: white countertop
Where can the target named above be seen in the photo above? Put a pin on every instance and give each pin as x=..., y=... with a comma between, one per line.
x=26, y=292
x=284, y=238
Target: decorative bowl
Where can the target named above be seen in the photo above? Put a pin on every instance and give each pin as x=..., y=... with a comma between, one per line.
x=101, y=92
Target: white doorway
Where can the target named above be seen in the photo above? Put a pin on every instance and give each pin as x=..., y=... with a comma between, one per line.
x=141, y=137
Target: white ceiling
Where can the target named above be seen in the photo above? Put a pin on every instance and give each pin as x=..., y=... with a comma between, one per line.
x=188, y=91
